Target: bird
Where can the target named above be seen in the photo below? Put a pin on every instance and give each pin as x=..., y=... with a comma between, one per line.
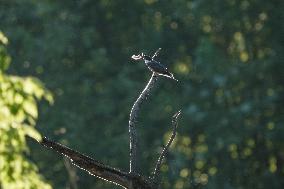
x=154, y=65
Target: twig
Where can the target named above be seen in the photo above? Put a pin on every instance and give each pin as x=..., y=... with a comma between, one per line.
x=132, y=120
x=71, y=170
x=90, y=165
x=165, y=150
x=156, y=53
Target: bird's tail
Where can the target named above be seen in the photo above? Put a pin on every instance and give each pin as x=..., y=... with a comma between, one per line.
x=169, y=75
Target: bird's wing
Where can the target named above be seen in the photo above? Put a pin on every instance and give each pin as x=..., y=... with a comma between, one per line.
x=156, y=66
x=159, y=68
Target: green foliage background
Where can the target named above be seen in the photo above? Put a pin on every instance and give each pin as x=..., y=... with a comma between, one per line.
x=18, y=114
x=228, y=56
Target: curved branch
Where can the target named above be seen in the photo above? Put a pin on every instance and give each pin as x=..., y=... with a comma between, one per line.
x=132, y=120
x=165, y=150
x=90, y=165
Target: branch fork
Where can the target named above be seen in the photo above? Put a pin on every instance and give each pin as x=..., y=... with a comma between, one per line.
x=131, y=179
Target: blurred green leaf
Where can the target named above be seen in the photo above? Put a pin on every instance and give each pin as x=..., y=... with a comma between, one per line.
x=18, y=106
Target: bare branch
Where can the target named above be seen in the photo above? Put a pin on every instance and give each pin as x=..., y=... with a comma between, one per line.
x=156, y=53
x=165, y=150
x=132, y=120
x=133, y=179
x=90, y=165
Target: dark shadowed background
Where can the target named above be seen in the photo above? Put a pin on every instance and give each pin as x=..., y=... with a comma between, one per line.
x=227, y=55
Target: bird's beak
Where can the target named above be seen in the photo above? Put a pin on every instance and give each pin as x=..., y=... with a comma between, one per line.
x=137, y=57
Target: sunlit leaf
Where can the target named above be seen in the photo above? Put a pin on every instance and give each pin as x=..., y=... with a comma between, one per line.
x=30, y=107
x=32, y=132
x=3, y=38
x=18, y=115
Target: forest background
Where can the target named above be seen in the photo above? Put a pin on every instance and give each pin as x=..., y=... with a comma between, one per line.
x=227, y=55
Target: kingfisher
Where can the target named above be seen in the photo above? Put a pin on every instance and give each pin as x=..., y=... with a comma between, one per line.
x=154, y=65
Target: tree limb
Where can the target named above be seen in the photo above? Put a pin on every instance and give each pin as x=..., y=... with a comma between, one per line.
x=165, y=150
x=90, y=165
x=132, y=120
x=131, y=180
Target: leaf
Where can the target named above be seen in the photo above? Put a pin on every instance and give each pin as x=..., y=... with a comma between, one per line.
x=32, y=132
x=3, y=38
x=48, y=96
x=30, y=107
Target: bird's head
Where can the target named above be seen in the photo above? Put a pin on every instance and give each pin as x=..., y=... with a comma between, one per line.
x=144, y=57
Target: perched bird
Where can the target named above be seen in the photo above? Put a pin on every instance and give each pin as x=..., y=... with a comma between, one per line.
x=154, y=65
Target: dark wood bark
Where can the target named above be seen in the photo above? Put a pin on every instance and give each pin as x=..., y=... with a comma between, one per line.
x=124, y=179
x=88, y=164
x=133, y=139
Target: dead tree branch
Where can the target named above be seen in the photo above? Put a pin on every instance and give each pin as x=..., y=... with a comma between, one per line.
x=90, y=165
x=165, y=150
x=132, y=120
x=131, y=179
